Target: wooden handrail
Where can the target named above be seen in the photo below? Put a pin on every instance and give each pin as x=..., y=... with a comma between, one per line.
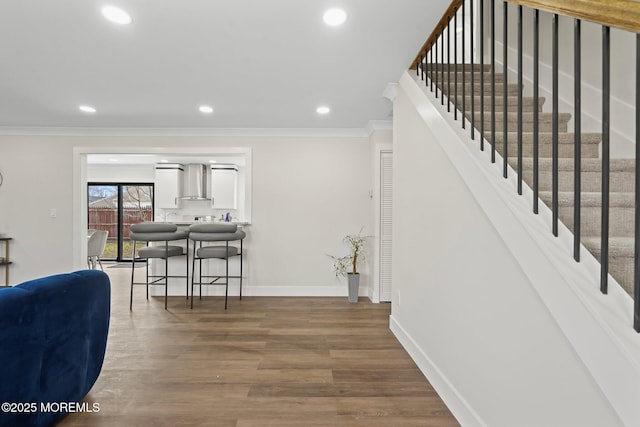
x=621, y=14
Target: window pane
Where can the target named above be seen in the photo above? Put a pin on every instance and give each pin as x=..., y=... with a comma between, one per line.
x=103, y=215
x=137, y=206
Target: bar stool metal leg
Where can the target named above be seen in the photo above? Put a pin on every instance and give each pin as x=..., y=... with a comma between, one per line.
x=241, y=256
x=226, y=282
x=133, y=269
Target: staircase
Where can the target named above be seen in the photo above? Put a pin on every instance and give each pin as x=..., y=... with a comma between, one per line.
x=622, y=171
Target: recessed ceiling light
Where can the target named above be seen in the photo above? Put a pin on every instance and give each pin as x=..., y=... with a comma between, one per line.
x=206, y=109
x=334, y=17
x=323, y=110
x=87, y=109
x=213, y=161
x=116, y=15
x=164, y=161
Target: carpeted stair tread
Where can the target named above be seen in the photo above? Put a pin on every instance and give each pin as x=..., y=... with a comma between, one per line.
x=467, y=75
x=592, y=199
x=547, y=138
x=476, y=76
x=512, y=88
x=621, y=212
x=545, y=123
x=621, y=177
x=467, y=67
x=587, y=165
x=527, y=117
x=512, y=103
x=618, y=246
x=589, y=145
x=621, y=258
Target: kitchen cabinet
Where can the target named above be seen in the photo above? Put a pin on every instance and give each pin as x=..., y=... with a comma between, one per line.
x=168, y=185
x=224, y=186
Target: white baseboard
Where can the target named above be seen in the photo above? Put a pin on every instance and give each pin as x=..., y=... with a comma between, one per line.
x=340, y=290
x=456, y=403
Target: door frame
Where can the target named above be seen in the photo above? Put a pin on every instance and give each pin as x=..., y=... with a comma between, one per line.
x=80, y=154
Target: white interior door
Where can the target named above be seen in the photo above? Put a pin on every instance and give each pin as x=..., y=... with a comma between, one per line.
x=386, y=211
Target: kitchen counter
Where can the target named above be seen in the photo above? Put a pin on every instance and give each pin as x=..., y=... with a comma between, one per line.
x=188, y=223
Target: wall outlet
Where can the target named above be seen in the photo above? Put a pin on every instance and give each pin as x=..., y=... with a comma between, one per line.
x=53, y=213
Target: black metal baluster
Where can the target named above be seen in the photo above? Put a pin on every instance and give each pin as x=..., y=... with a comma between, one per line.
x=431, y=68
x=536, y=106
x=455, y=60
x=554, y=119
x=427, y=66
x=577, y=149
x=606, y=102
x=442, y=66
x=493, y=81
x=464, y=72
x=472, y=62
x=435, y=70
x=481, y=5
x=423, y=63
x=636, y=266
x=505, y=71
x=520, y=100
x=418, y=66
x=448, y=66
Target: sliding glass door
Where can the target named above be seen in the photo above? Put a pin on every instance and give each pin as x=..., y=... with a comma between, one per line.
x=114, y=207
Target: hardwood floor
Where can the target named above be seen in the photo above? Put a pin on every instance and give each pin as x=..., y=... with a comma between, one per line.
x=263, y=362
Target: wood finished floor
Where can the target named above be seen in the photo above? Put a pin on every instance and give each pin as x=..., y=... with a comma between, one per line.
x=264, y=362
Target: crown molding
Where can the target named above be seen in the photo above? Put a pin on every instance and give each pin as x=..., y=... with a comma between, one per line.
x=377, y=125
x=86, y=131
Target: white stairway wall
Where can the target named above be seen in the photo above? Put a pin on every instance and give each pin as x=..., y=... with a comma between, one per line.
x=481, y=309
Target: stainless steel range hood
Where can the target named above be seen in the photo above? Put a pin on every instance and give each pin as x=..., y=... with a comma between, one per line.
x=195, y=182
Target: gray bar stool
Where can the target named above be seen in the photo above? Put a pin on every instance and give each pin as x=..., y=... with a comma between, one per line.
x=157, y=232
x=216, y=238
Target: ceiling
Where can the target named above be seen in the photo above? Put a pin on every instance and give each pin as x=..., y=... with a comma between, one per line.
x=258, y=63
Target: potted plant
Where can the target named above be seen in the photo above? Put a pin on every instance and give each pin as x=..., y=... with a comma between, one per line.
x=347, y=265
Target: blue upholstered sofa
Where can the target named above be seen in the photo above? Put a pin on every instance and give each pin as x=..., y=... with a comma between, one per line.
x=53, y=336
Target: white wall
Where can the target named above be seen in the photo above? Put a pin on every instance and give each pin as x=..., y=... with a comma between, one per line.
x=308, y=192
x=120, y=173
x=38, y=176
x=463, y=305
